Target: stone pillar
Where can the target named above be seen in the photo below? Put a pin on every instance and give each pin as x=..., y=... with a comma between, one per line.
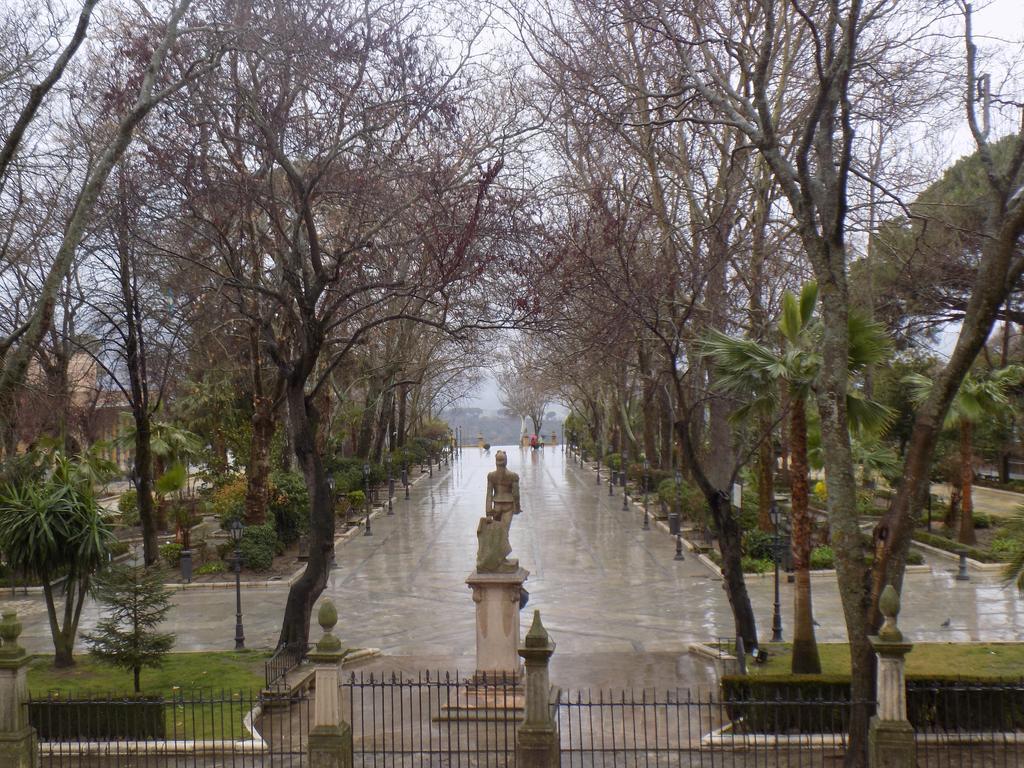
x=330, y=738
x=18, y=743
x=537, y=742
x=890, y=735
x=497, y=597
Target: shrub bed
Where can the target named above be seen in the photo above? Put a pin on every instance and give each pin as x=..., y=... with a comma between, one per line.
x=808, y=703
x=948, y=545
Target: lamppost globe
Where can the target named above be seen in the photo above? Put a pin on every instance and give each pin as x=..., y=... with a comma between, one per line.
x=236, y=529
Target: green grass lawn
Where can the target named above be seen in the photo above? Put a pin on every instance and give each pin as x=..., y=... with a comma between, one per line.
x=976, y=660
x=206, y=687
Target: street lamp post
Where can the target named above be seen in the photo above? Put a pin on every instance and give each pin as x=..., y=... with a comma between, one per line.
x=598, y=481
x=624, y=476
x=405, y=478
x=777, y=551
x=673, y=516
x=236, y=529
x=366, y=498
x=391, y=487
x=647, y=480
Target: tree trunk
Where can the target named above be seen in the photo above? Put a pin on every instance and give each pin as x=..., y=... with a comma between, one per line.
x=966, y=481
x=144, y=487
x=730, y=541
x=843, y=515
x=305, y=591
x=136, y=674
x=257, y=493
x=765, y=476
x=805, y=647
x=403, y=404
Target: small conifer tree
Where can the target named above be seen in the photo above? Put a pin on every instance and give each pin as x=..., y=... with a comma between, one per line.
x=136, y=602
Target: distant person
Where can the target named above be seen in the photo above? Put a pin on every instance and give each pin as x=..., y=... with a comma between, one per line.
x=533, y=442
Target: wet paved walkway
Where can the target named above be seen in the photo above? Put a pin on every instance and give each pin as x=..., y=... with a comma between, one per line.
x=611, y=594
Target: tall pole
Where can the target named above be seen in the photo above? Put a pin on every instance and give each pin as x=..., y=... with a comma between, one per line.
x=777, y=611
x=239, y=631
x=624, y=476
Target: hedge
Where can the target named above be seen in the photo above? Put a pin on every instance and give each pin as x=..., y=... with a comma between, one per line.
x=129, y=718
x=808, y=703
x=941, y=542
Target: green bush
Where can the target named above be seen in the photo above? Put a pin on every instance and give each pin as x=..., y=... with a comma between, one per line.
x=941, y=542
x=691, y=500
x=356, y=499
x=103, y=719
x=981, y=520
x=914, y=557
x=1005, y=548
x=228, y=500
x=759, y=545
x=225, y=549
x=171, y=553
x=259, y=545
x=128, y=506
x=289, y=505
x=756, y=565
x=214, y=566
x=822, y=559
x=947, y=703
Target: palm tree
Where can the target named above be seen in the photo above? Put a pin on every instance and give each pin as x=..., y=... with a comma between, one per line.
x=758, y=374
x=51, y=527
x=979, y=396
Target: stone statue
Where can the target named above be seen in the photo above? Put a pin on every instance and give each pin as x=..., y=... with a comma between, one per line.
x=492, y=533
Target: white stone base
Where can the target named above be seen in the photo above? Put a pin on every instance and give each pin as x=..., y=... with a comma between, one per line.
x=497, y=622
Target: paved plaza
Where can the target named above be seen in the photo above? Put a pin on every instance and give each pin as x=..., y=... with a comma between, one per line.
x=611, y=594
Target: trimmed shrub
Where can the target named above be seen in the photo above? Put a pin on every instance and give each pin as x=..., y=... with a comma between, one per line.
x=807, y=703
x=941, y=542
x=258, y=546
x=171, y=553
x=100, y=719
x=356, y=500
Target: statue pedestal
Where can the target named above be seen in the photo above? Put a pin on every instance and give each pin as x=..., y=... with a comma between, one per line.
x=497, y=622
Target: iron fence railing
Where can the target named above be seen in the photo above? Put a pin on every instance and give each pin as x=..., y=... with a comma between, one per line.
x=198, y=729
x=286, y=658
x=433, y=719
x=687, y=728
x=446, y=720
x=967, y=724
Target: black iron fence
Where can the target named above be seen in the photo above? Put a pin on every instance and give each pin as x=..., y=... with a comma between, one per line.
x=194, y=729
x=444, y=719
x=433, y=719
x=686, y=728
x=967, y=724
x=286, y=658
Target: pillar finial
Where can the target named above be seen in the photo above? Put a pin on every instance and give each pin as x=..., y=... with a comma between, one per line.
x=10, y=630
x=889, y=605
x=327, y=617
